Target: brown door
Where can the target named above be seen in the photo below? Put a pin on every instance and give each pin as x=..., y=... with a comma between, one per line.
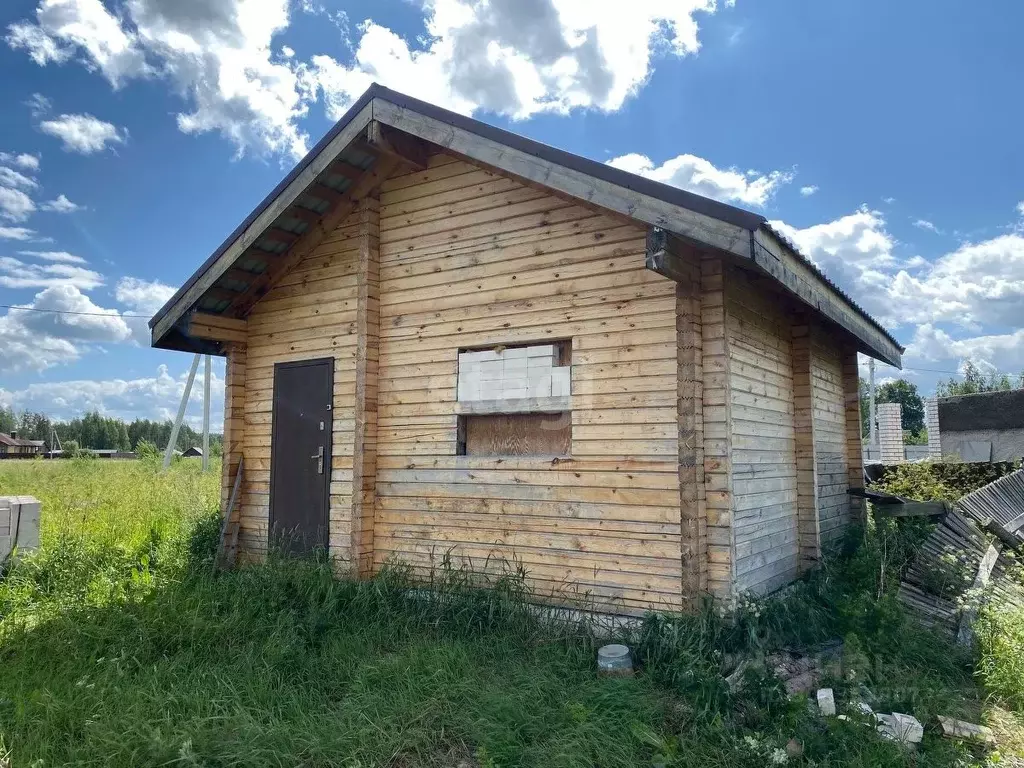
x=300, y=454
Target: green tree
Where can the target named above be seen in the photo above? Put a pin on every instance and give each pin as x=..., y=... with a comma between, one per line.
x=912, y=406
x=974, y=381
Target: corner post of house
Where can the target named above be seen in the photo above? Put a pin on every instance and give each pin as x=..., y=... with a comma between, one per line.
x=808, y=525
x=364, y=459
x=234, y=420
x=717, y=416
x=854, y=445
x=690, y=403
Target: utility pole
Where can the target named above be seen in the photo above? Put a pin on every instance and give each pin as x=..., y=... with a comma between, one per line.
x=872, y=425
x=206, y=413
x=173, y=442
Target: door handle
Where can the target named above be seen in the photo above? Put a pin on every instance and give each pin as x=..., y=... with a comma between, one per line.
x=319, y=456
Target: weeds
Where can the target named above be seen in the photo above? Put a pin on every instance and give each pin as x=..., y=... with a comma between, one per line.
x=120, y=645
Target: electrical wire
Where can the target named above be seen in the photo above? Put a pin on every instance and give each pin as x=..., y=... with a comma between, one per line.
x=68, y=311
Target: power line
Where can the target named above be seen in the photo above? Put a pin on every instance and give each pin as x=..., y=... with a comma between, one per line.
x=69, y=312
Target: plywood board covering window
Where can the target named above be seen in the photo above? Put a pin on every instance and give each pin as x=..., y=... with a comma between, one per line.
x=518, y=434
x=514, y=401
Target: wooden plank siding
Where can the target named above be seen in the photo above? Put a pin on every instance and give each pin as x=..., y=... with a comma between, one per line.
x=706, y=413
x=310, y=313
x=832, y=471
x=762, y=435
x=469, y=258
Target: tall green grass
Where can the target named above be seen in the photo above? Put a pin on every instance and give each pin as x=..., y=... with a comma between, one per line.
x=120, y=645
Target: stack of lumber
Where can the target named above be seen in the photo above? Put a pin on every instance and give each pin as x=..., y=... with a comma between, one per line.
x=968, y=558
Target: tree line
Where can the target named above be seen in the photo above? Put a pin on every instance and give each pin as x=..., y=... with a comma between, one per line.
x=93, y=430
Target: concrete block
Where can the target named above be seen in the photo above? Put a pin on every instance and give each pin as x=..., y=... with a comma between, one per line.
x=492, y=371
x=483, y=356
x=561, y=382
x=540, y=385
x=826, y=702
x=959, y=729
x=905, y=729
x=490, y=389
x=469, y=389
x=542, y=350
x=516, y=353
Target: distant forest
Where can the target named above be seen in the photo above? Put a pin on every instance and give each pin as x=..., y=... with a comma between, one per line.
x=96, y=431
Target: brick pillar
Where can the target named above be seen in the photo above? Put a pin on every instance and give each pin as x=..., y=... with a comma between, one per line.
x=931, y=423
x=890, y=433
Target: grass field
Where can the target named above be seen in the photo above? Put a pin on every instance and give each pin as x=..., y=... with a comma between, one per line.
x=119, y=645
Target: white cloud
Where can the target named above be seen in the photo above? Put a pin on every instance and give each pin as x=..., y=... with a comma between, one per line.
x=58, y=256
x=514, y=57
x=15, y=205
x=61, y=205
x=144, y=298
x=40, y=46
x=16, y=233
x=517, y=58
x=84, y=134
x=22, y=160
x=153, y=397
x=854, y=250
x=74, y=317
x=928, y=226
x=215, y=54
x=695, y=174
x=142, y=295
x=977, y=285
x=1020, y=207
x=809, y=190
x=996, y=352
x=38, y=105
x=15, y=273
x=12, y=178
x=28, y=351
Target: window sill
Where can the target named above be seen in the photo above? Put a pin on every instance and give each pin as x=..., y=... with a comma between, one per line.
x=518, y=405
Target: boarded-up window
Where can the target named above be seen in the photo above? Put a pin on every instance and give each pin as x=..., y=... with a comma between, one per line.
x=515, y=434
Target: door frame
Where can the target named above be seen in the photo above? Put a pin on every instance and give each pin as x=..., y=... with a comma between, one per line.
x=328, y=441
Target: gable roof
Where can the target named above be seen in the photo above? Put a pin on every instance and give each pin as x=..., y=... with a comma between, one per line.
x=306, y=193
x=22, y=442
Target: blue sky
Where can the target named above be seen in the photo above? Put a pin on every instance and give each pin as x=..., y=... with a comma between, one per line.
x=883, y=138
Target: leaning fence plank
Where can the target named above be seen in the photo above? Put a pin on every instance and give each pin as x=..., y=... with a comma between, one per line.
x=230, y=523
x=965, y=633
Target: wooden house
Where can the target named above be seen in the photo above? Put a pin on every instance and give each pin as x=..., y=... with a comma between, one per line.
x=14, y=447
x=446, y=340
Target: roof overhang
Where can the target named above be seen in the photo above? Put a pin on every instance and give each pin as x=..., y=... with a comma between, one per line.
x=701, y=221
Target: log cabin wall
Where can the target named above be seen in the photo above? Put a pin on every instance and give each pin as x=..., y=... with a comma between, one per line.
x=830, y=449
x=310, y=313
x=471, y=259
x=762, y=435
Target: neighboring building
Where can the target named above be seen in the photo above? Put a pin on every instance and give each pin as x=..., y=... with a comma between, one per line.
x=14, y=447
x=448, y=342
x=192, y=453
x=988, y=426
